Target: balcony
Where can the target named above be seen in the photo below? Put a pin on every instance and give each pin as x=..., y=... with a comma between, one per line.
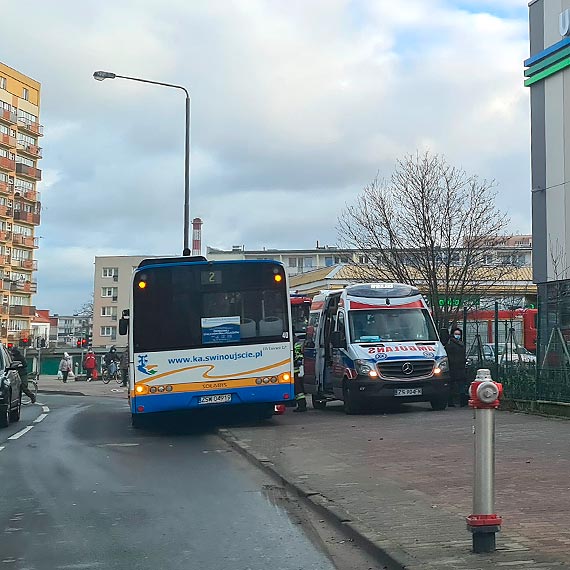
x=23, y=310
x=31, y=264
x=4, y=260
x=30, y=217
x=7, y=140
x=29, y=171
x=26, y=241
x=29, y=149
x=7, y=116
x=6, y=188
x=7, y=164
x=30, y=127
x=32, y=195
x=25, y=286
x=5, y=211
x=5, y=236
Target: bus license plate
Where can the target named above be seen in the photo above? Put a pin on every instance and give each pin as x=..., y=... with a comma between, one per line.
x=215, y=399
x=408, y=392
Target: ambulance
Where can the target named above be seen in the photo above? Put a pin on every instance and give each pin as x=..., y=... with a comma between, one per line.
x=371, y=343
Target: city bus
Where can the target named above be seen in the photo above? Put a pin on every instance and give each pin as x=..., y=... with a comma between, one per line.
x=206, y=334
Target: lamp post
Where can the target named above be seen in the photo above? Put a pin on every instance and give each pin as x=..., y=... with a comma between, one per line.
x=100, y=76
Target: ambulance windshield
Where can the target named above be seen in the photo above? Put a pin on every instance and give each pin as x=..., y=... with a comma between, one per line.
x=391, y=325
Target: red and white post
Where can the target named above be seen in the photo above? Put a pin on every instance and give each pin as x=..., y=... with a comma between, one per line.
x=484, y=396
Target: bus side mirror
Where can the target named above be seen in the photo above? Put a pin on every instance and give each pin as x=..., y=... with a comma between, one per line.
x=123, y=326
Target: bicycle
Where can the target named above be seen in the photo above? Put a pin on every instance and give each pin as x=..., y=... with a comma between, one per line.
x=32, y=387
x=107, y=376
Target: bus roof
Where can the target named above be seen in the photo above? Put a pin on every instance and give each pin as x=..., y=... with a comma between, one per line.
x=162, y=261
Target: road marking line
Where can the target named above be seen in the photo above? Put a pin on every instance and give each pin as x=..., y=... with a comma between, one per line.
x=45, y=409
x=21, y=433
x=40, y=418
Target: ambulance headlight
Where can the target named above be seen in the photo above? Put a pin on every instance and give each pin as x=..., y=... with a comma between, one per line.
x=363, y=367
x=442, y=366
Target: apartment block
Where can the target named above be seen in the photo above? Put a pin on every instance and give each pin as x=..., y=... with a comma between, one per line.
x=20, y=131
x=111, y=294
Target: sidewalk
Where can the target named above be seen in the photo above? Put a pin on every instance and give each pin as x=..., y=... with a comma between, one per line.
x=48, y=384
x=403, y=481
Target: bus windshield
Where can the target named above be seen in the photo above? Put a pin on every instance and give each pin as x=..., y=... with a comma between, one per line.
x=391, y=325
x=208, y=305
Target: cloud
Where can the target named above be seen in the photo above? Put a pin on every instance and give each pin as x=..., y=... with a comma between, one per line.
x=295, y=107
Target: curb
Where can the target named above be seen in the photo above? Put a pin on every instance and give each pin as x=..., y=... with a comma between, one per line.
x=388, y=554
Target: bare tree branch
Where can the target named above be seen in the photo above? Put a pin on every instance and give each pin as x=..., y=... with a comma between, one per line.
x=431, y=225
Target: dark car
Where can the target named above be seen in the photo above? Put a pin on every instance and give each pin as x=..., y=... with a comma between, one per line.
x=10, y=389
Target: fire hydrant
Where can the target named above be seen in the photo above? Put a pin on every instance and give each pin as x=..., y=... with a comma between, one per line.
x=484, y=396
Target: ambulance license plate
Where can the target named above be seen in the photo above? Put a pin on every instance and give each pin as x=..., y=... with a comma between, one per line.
x=215, y=399
x=408, y=392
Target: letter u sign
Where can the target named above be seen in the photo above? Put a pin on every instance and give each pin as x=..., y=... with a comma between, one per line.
x=565, y=23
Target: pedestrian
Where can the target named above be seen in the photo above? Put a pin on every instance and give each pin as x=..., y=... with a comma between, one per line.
x=90, y=365
x=17, y=356
x=124, y=366
x=298, y=370
x=455, y=349
x=65, y=366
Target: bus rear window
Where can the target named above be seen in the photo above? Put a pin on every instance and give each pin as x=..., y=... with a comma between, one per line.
x=184, y=306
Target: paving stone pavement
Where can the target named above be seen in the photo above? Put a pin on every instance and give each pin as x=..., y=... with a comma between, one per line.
x=404, y=478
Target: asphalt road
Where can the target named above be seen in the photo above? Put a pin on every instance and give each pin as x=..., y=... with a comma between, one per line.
x=81, y=489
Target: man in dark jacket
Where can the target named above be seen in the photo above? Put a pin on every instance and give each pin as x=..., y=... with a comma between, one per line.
x=456, y=355
x=17, y=356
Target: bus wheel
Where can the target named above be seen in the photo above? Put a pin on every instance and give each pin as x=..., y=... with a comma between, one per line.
x=351, y=405
x=136, y=421
x=266, y=411
x=438, y=404
x=318, y=403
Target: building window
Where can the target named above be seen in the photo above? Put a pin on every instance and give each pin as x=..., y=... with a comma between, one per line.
x=329, y=261
x=109, y=331
x=308, y=262
x=292, y=262
x=108, y=291
x=108, y=311
x=2, y=83
x=110, y=271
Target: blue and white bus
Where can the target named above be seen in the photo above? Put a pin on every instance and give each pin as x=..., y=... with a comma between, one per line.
x=208, y=334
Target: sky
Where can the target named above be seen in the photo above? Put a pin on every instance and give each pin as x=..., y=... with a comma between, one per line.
x=296, y=106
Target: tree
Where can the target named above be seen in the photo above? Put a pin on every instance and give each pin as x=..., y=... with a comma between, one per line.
x=431, y=225
x=86, y=309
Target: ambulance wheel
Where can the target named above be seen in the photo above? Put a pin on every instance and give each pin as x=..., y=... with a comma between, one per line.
x=438, y=404
x=318, y=403
x=351, y=403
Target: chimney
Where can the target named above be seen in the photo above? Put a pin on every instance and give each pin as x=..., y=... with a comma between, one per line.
x=196, y=236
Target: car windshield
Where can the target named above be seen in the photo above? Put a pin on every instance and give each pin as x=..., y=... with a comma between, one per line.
x=391, y=325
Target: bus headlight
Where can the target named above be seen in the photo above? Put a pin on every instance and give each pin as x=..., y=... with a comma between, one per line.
x=442, y=366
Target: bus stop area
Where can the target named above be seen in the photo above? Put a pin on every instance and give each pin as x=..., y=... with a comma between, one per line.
x=400, y=481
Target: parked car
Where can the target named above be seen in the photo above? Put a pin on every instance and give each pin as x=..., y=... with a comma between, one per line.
x=512, y=355
x=10, y=389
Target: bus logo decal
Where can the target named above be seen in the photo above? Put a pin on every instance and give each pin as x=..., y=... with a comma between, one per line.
x=144, y=367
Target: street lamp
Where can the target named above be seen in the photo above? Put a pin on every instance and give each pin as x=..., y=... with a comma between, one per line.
x=100, y=76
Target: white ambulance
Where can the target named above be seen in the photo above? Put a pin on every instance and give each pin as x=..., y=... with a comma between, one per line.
x=374, y=342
